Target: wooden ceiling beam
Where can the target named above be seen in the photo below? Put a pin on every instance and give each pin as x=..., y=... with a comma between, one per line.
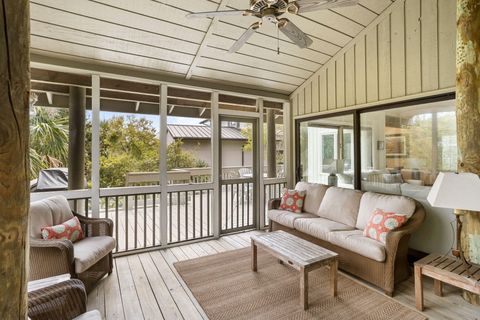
x=48, y=76
x=221, y=6
x=59, y=82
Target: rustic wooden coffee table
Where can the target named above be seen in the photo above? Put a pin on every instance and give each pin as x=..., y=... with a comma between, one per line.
x=300, y=254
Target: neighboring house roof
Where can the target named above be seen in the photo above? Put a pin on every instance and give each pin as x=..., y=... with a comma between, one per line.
x=202, y=132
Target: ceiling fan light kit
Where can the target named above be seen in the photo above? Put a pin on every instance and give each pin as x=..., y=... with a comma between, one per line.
x=270, y=11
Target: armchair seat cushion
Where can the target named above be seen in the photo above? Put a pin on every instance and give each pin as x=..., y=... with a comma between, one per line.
x=90, y=250
x=319, y=227
x=287, y=218
x=355, y=241
x=90, y=315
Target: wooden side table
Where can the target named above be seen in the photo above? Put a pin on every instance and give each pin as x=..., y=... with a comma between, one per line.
x=444, y=269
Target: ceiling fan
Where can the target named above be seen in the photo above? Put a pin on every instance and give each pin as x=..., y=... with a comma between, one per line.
x=270, y=11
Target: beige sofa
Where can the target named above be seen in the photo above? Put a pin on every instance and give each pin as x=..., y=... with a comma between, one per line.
x=335, y=219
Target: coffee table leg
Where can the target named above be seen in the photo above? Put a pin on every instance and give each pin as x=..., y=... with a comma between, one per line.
x=334, y=276
x=254, y=256
x=304, y=288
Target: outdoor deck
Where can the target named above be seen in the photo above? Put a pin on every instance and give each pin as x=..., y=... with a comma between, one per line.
x=147, y=286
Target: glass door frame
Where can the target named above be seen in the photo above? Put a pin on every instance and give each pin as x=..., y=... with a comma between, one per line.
x=255, y=179
x=357, y=129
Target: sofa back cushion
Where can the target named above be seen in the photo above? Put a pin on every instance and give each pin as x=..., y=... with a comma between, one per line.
x=341, y=205
x=389, y=203
x=48, y=212
x=314, y=195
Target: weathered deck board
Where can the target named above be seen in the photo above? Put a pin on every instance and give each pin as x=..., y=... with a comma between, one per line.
x=117, y=295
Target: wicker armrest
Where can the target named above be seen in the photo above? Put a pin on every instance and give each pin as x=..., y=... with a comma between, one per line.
x=64, y=300
x=274, y=203
x=94, y=227
x=394, y=237
x=50, y=258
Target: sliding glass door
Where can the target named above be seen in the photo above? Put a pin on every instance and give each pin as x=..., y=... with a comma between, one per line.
x=326, y=151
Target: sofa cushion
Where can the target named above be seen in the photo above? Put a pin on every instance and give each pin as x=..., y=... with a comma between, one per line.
x=319, y=227
x=48, y=212
x=292, y=200
x=90, y=250
x=355, y=241
x=287, y=218
x=381, y=223
x=341, y=205
x=315, y=193
x=389, y=203
x=70, y=230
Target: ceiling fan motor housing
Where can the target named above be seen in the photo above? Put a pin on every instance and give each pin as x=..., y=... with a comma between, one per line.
x=259, y=5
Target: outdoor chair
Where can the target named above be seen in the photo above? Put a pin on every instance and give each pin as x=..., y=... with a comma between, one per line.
x=88, y=259
x=63, y=301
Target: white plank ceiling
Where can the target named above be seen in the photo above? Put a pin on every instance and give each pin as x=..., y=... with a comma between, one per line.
x=155, y=35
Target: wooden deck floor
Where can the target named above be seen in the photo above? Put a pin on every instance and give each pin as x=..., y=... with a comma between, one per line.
x=147, y=286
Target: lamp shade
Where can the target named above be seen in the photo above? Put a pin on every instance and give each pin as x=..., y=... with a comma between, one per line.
x=456, y=191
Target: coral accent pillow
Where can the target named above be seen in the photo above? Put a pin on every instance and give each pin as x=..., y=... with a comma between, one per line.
x=381, y=223
x=69, y=230
x=292, y=200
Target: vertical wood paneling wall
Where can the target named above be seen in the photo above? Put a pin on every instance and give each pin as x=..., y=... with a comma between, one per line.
x=409, y=50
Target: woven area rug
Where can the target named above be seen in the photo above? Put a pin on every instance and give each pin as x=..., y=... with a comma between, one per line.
x=226, y=288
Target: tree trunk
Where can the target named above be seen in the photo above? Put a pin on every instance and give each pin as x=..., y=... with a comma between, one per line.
x=468, y=117
x=14, y=131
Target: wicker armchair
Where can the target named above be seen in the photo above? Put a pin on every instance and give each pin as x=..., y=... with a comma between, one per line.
x=60, y=301
x=88, y=259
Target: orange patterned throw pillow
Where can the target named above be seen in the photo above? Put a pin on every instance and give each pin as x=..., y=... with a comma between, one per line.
x=292, y=200
x=69, y=230
x=381, y=223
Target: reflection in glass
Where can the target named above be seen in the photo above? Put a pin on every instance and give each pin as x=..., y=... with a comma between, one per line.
x=326, y=151
x=407, y=146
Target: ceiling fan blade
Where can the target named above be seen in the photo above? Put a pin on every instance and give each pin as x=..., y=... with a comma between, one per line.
x=213, y=14
x=314, y=5
x=294, y=33
x=244, y=37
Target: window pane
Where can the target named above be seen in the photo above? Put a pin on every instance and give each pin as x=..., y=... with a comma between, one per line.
x=326, y=151
x=273, y=141
x=407, y=146
x=51, y=146
x=189, y=138
x=129, y=149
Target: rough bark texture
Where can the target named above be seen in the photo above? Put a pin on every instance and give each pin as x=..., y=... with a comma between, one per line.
x=468, y=116
x=14, y=195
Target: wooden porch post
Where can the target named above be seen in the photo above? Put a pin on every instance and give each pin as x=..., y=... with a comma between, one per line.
x=468, y=117
x=271, y=144
x=76, y=140
x=14, y=164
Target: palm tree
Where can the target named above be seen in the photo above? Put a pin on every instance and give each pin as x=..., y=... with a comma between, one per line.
x=48, y=139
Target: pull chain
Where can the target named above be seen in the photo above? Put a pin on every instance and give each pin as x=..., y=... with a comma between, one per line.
x=278, y=41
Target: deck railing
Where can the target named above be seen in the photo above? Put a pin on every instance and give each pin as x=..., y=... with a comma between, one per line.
x=272, y=189
x=136, y=211
x=237, y=205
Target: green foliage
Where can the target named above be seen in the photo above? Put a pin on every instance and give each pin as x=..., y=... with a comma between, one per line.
x=131, y=144
x=48, y=139
x=127, y=144
x=178, y=158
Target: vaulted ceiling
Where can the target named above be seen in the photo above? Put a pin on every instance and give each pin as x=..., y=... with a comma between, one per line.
x=155, y=36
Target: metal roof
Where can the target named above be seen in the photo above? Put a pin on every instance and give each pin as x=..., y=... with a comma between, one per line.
x=202, y=132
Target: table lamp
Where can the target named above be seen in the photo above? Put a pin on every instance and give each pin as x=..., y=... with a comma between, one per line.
x=458, y=191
